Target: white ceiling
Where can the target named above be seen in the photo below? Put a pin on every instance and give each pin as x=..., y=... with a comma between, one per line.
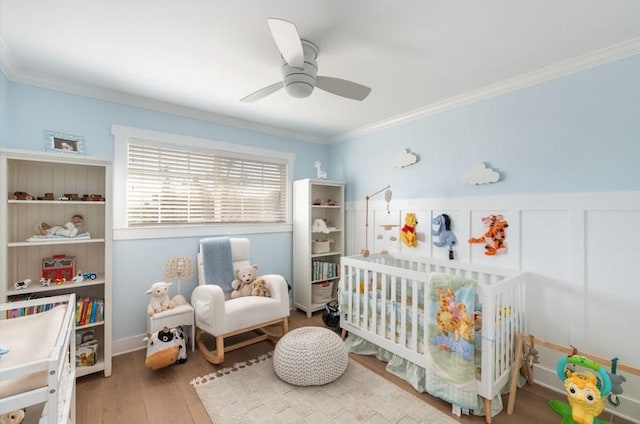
x=199, y=57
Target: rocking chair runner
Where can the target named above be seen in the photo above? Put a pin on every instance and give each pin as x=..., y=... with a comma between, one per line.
x=224, y=318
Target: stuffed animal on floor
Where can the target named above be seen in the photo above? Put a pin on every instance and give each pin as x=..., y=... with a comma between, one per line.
x=13, y=417
x=242, y=285
x=159, y=301
x=408, y=232
x=259, y=288
x=166, y=347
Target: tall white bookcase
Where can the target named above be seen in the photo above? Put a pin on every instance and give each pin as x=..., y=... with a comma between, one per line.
x=317, y=249
x=37, y=174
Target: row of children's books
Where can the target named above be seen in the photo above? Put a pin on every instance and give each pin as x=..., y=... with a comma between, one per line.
x=20, y=312
x=324, y=270
x=89, y=311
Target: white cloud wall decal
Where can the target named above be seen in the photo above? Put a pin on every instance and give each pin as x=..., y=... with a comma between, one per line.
x=404, y=159
x=480, y=174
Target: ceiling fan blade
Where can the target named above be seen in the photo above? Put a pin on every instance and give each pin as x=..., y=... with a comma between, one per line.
x=263, y=92
x=285, y=34
x=344, y=88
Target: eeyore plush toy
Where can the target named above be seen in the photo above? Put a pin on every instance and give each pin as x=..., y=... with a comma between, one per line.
x=441, y=230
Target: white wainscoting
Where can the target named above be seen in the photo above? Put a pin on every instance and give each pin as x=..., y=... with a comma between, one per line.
x=583, y=253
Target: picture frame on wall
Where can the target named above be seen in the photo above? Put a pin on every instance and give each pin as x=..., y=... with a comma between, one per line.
x=63, y=143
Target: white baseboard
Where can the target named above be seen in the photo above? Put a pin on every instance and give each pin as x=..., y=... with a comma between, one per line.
x=129, y=344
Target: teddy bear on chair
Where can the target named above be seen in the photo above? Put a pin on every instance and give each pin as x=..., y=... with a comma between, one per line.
x=246, y=281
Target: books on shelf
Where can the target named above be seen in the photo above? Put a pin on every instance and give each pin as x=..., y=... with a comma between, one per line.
x=20, y=312
x=89, y=311
x=86, y=348
x=324, y=270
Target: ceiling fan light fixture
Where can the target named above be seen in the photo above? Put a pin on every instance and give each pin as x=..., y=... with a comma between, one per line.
x=298, y=82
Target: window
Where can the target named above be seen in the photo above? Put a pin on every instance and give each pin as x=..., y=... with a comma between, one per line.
x=180, y=182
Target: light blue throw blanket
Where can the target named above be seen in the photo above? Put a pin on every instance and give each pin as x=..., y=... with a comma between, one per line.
x=218, y=262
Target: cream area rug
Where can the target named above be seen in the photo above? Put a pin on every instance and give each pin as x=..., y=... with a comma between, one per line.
x=252, y=393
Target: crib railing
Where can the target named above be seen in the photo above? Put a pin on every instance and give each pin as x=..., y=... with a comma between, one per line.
x=499, y=291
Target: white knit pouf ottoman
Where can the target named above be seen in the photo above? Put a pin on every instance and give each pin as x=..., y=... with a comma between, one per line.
x=310, y=356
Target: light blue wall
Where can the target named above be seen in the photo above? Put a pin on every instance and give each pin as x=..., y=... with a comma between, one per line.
x=137, y=264
x=4, y=108
x=579, y=133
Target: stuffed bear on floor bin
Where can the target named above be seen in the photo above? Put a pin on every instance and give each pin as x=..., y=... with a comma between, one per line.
x=166, y=347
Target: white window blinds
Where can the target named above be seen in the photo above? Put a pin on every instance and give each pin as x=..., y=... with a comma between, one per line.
x=170, y=186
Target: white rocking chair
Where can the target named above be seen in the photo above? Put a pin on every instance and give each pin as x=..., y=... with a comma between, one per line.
x=225, y=318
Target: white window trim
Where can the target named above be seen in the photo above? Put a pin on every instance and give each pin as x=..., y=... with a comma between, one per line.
x=121, y=231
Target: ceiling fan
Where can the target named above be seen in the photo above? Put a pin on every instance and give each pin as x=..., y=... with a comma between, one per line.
x=300, y=68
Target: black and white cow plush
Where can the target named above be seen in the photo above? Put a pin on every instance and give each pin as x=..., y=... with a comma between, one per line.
x=166, y=347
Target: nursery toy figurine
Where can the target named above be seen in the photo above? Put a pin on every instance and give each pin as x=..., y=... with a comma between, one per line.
x=494, y=237
x=46, y=282
x=21, y=195
x=246, y=280
x=408, y=232
x=159, y=298
x=320, y=174
x=23, y=284
x=166, y=347
x=586, y=391
x=70, y=229
x=259, y=288
x=441, y=230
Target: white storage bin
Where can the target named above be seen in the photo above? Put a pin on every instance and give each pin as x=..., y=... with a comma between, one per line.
x=321, y=292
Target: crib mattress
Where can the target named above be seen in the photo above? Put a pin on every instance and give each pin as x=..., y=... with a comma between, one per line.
x=29, y=338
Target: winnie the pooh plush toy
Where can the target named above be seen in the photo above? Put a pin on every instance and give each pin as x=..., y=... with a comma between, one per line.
x=408, y=232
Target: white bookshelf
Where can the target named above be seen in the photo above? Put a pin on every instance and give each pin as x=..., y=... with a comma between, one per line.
x=39, y=173
x=315, y=271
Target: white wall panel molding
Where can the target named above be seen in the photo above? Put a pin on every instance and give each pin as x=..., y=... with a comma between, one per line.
x=582, y=251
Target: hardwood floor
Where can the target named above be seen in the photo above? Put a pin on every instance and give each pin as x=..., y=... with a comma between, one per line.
x=136, y=394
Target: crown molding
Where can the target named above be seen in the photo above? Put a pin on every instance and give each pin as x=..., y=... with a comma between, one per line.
x=558, y=70
x=101, y=93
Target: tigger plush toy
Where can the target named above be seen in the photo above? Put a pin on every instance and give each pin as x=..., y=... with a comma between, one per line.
x=494, y=237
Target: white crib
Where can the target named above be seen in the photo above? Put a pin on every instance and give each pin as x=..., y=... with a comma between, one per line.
x=500, y=292
x=40, y=365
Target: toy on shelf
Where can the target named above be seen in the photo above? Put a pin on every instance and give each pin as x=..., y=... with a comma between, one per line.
x=22, y=284
x=586, y=390
x=69, y=229
x=320, y=174
x=59, y=268
x=21, y=195
x=81, y=276
x=46, y=282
